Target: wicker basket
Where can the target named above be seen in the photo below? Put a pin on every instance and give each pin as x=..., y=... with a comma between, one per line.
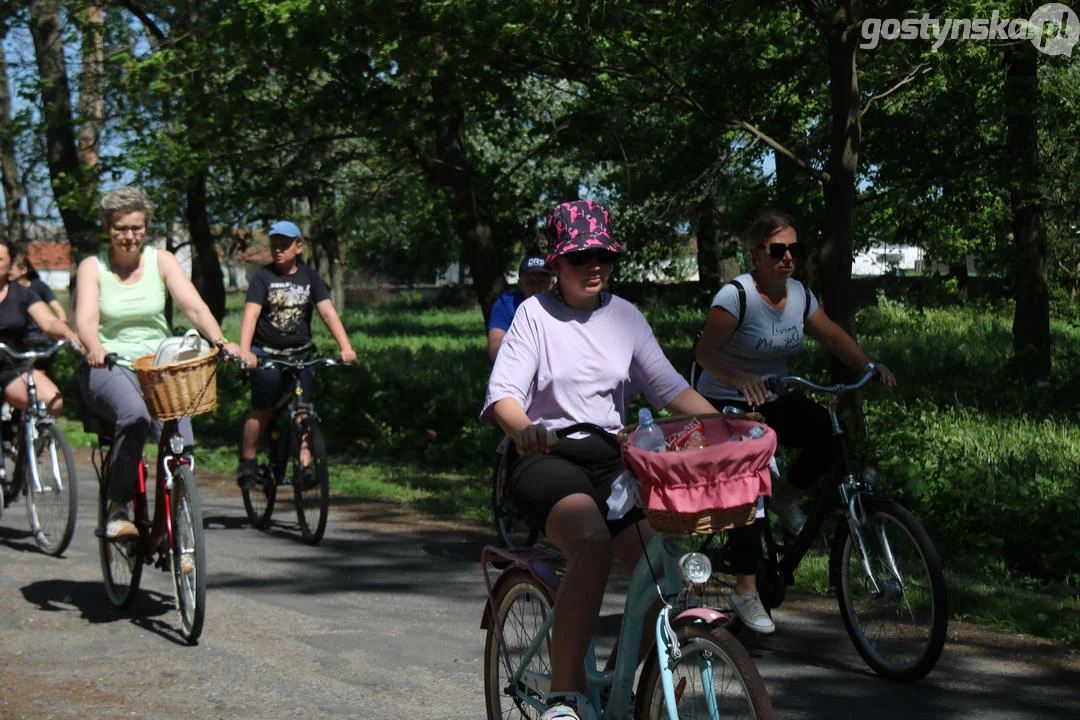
x=703, y=523
x=182, y=389
x=704, y=491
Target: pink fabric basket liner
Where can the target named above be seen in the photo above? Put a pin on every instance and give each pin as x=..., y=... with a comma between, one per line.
x=722, y=475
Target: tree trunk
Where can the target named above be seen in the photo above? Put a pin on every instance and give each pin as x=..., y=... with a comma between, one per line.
x=837, y=292
x=717, y=250
x=1031, y=321
x=472, y=220
x=91, y=91
x=326, y=251
x=205, y=265
x=68, y=180
x=14, y=218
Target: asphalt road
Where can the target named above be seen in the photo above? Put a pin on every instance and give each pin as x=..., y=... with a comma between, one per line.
x=382, y=621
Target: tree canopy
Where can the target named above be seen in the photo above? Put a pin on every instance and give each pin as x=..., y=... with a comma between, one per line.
x=406, y=136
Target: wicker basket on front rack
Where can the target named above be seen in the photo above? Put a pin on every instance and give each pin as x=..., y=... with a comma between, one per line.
x=703, y=491
x=182, y=389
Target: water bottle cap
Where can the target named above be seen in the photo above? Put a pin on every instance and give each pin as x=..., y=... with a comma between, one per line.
x=644, y=416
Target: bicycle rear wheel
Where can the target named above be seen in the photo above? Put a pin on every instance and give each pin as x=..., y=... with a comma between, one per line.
x=514, y=529
x=312, y=493
x=121, y=561
x=898, y=618
x=52, y=506
x=259, y=502
x=521, y=605
x=714, y=677
x=188, y=553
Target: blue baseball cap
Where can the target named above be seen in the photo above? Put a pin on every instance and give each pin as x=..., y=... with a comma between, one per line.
x=534, y=264
x=286, y=228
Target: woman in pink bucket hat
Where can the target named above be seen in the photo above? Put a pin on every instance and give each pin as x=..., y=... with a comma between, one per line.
x=578, y=354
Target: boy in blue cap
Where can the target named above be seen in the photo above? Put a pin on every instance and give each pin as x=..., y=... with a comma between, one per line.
x=534, y=276
x=277, y=321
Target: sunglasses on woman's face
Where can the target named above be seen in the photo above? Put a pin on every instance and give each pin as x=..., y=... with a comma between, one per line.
x=591, y=257
x=778, y=250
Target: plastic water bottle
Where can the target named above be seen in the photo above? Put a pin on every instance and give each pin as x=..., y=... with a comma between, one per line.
x=648, y=435
x=754, y=433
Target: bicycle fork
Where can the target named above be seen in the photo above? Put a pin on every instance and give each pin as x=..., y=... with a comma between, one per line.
x=30, y=457
x=857, y=518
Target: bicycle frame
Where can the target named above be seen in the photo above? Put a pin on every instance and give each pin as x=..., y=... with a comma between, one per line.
x=660, y=552
x=151, y=532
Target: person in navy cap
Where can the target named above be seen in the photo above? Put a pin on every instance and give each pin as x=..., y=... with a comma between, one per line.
x=534, y=276
x=277, y=321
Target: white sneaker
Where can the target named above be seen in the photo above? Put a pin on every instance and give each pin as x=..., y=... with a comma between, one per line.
x=750, y=610
x=790, y=513
x=570, y=706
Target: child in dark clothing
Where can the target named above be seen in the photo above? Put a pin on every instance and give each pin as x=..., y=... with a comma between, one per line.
x=277, y=320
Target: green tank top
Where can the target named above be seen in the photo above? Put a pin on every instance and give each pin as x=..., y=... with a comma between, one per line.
x=132, y=317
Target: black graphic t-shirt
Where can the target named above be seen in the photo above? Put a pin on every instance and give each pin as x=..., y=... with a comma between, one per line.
x=287, y=302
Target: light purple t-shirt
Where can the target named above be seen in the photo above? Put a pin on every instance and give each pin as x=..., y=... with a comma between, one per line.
x=567, y=366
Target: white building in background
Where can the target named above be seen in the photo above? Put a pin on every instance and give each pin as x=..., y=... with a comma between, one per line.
x=884, y=258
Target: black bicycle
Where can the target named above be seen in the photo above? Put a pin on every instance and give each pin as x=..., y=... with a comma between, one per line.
x=293, y=425
x=48, y=482
x=887, y=574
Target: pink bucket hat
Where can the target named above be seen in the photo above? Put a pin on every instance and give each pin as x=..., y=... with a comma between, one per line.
x=580, y=225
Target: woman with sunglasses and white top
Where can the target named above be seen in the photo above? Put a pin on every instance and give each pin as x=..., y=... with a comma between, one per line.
x=751, y=334
x=578, y=354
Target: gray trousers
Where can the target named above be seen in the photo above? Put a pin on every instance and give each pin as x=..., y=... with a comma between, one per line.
x=114, y=395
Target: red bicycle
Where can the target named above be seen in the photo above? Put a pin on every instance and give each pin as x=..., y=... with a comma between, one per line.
x=173, y=539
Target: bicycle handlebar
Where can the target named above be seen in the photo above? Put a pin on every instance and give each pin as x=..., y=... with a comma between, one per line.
x=298, y=364
x=36, y=354
x=775, y=382
x=111, y=358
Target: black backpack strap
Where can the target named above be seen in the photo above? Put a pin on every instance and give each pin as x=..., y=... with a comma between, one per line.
x=695, y=369
x=806, y=305
x=742, y=300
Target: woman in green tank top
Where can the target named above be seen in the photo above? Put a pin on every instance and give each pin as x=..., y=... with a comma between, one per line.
x=120, y=308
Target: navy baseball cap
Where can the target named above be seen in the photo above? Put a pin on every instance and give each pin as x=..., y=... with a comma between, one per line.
x=286, y=228
x=533, y=264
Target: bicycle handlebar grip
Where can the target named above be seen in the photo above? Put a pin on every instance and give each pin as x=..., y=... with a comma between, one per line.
x=552, y=437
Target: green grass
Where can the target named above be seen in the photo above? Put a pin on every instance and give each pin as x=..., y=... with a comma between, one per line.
x=986, y=460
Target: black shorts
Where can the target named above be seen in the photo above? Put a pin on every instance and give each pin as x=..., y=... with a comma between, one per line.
x=268, y=385
x=588, y=465
x=10, y=371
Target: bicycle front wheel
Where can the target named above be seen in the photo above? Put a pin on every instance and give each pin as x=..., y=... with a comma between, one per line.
x=52, y=504
x=121, y=561
x=188, y=553
x=521, y=605
x=897, y=616
x=714, y=677
x=311, y=486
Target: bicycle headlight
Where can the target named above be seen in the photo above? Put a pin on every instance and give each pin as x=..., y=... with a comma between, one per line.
x=695, y=568
x=870, y=474
x=176, y=444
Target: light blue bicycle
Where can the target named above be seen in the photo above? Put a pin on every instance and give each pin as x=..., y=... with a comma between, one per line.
x=697, y=669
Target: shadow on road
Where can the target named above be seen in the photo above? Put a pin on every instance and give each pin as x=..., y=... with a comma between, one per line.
x=90, y=600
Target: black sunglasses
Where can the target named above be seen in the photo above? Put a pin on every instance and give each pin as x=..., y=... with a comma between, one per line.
x=588, y=257
x=778, y=250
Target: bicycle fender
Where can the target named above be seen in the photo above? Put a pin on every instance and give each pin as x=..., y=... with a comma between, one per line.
x=706, y=615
